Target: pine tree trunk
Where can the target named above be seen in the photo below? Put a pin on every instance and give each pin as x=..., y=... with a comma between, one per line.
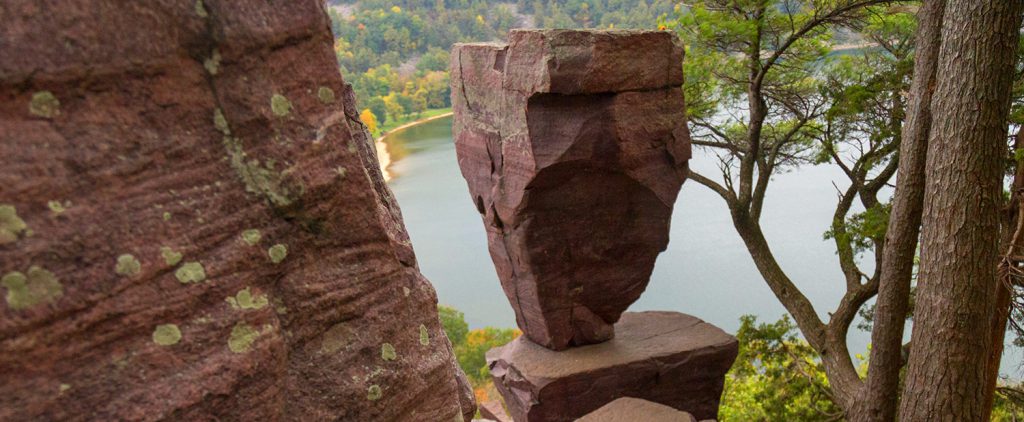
x=946, y=374
x=1009, y=241
x=878, y=401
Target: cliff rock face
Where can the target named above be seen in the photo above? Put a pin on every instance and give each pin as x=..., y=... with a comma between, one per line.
x=574, y=145
x=193, y=225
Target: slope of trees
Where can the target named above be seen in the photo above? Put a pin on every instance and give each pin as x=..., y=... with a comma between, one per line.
x=395, y=52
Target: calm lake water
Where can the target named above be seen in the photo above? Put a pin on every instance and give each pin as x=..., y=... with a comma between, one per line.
x=705, y=271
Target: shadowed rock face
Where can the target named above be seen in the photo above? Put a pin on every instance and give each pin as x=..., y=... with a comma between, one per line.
x=193, y=225
x=574, y=146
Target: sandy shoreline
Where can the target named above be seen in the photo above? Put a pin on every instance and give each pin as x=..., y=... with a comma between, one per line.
x=414, y=123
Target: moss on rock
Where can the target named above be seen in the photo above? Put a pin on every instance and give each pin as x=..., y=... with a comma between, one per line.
x=191, y=272
x=128, y=265
x=10, y=224
x=166, y=335
x=242, y=337
x=280, y=105
x=27, y=290
x=44, y=104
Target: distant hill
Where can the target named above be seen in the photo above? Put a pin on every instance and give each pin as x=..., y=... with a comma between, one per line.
x=395, y=52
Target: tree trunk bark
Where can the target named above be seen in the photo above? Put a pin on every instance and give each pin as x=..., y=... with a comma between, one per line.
x=946, y=374
x=842, y=376
x=878, y=401
x=1008, y=245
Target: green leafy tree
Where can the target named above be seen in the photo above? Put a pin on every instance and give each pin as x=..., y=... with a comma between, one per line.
x=454, y=323
x=777, y=377
x=766, y=93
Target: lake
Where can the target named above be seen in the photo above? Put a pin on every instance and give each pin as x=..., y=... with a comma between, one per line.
x=705, y=271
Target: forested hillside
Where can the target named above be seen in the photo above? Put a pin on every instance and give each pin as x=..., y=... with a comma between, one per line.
x=395, y=52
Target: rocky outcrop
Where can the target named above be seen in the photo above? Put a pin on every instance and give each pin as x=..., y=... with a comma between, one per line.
x=629, y=409
x=663, y=357
x=193, y=225
x=574, y=146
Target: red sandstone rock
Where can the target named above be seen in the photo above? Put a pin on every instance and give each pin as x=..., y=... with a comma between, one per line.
x=574, y=146
x=628, y=409
x=493, y=411
x=193, y=225
x=663, y=357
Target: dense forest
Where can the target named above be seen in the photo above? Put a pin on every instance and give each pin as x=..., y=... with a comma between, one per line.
x=395, y=53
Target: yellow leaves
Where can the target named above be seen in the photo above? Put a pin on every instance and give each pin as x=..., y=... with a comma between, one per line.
x=481, y=395
x=369, y=120
x=396, y=9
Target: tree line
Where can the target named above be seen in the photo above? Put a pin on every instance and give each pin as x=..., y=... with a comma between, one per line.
x=395, y=53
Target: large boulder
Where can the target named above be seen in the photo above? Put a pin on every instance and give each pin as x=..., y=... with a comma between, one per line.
x=574, y=146
x=663, y=357
x=193, y=224
x=628, y=409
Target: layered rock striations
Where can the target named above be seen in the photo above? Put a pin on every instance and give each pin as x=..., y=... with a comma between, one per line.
x=574, y=145
x=193, y=225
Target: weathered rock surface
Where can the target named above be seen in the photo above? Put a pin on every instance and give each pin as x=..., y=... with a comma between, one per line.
x=193, y=225
x=574, y=146
x=663, y=357
x=628, y=409
x=493, y=411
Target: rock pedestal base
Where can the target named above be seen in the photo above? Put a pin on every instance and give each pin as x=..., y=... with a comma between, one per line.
x=664, y=357
x=628, y=409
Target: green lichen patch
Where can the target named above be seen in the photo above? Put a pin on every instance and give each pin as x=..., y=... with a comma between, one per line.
x=10, y=224
x=35, y=287
x=167, y=216
x=424, y=335
x=280, y=105
x=374, y=393
x=387, y=352
x=335, y=338
x=64, y=387
x=258, y=179
x=171, y=257
x=279, y=307
x=251, y=237
x=212, y=64
x=245, y=299
x=190, y=272
x=58, y=208
x=242, y=337
x=325, y=94
x=166, y=335
x=221, y=122
x=201, y=9
x=44, y=104
x=277, y=253
x=340, y=170
x=127, y=265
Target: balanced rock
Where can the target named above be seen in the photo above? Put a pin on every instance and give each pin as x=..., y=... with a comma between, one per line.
x=664, y=357
x=628, y=409
x=574, y=146
x=193, y=224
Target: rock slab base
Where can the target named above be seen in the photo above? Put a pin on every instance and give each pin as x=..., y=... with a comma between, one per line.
x=668, y=358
